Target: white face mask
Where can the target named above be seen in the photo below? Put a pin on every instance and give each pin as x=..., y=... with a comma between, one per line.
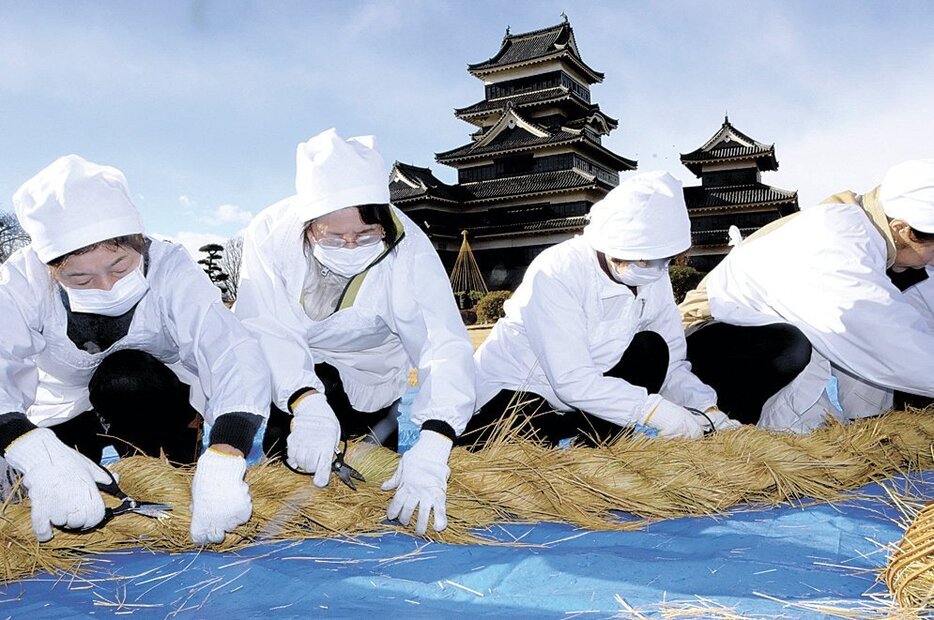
x=633, y=274
x=347, y=262
x=125, y=293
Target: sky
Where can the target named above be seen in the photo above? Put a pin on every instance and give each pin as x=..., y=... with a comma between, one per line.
x=202, y=102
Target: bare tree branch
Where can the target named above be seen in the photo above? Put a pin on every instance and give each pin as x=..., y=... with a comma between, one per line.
x=12, y=235
x=230, y=263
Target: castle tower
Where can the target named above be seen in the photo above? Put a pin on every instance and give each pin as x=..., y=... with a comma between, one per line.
x=534, y=165
x=731, y=192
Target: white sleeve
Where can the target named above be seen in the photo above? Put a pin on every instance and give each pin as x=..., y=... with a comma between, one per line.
x=228, y=362
x=550, y=306
x=268, y=314
x=681, y=386
x=20, y=341
x=434, y=336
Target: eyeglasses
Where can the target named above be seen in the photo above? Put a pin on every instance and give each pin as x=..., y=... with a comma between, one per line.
x=655, y=263
x=340, y=242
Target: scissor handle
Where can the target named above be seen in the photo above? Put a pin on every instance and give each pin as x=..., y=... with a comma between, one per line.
x=711, y=427
x=111, y=488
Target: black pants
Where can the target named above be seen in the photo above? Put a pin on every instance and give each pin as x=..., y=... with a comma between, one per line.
x=381, y=426
x=138, y=404
x=644, y=363
x=904, y=400
x=747, y=365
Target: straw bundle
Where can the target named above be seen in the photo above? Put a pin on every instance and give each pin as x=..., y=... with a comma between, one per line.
x=910, y=571
x=510, y=480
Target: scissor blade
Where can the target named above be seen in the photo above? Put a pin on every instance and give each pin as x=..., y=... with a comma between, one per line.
x=153, y=511
x=346, y=477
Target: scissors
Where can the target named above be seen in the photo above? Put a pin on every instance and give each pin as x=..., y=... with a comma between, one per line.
x=345, y=472
x=709, y=427
x=127, y=504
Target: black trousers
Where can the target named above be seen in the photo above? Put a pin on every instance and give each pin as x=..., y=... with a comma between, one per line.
x=644, y=363
x=904, y=400
x=138, y=405
x=380, y=427
x=747, y=365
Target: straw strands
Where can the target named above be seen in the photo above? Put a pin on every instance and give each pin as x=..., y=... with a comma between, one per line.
x=910, y=571
x=509, y=480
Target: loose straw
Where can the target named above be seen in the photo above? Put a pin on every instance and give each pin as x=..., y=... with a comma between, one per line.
x=509, y=480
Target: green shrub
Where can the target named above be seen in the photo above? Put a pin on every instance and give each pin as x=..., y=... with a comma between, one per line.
x=684, y=279
x=490, y=306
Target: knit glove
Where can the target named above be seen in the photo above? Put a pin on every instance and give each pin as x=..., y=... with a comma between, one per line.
x=62, y=483
x=670, y=419
x=314, y=438
x=220, y=499
x=422, y=480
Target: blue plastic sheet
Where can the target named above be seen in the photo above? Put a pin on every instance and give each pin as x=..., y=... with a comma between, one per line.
x=822, y=554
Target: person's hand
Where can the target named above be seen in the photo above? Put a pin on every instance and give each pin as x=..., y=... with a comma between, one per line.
x=314, y=438
x=720, y=420
x=422, y=481
x=220, y=499
x=670, y=419
x=62, y=483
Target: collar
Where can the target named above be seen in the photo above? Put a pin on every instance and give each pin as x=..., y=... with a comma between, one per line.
x=871, y=203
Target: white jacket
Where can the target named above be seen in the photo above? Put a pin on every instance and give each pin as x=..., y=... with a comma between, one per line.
x=568, y=323
x=403, y=317
x=823, y=271
x=181, y=321
x=921, y=296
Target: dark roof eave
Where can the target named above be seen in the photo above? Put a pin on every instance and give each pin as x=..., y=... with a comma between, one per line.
x=443, y=158
x=493, y=109
x=744, y=205
x=424, y=198
x=545, y=192
x=479, y=71
x=707, y=157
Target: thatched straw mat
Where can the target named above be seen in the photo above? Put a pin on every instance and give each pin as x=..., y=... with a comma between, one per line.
x=510, y=480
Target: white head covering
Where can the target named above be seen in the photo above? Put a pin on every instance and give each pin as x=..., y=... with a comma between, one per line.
x=332, y=173
x=644, y=218
x=907, y=193
x=73, y=203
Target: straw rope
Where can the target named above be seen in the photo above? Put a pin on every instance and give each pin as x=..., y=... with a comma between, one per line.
x=509, y=480
x=910, y=571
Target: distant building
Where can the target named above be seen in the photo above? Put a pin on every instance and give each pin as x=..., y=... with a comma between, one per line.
x=731, y=192
x=533, y=167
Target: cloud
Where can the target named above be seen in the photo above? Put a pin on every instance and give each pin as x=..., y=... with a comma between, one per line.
x=232, y=213
x=185, y=200
x=194, y=240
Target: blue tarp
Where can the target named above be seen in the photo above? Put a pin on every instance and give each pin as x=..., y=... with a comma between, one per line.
x=805, y=556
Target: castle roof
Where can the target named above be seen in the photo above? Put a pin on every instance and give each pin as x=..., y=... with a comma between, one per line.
x=739, y=196
x=730, y=145
x=538, y=46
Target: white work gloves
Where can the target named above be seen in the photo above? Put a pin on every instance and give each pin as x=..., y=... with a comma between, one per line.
x=314, y=438
x=422, y=480
x=720, y=420
x=670, y=419
x=62, y=483
x=220, y=499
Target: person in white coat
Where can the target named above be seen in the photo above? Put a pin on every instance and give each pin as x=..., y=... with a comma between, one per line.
x=592, y=335
x=816, y=295
x=346, y=296
x=921, y=296
x=101, y=328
